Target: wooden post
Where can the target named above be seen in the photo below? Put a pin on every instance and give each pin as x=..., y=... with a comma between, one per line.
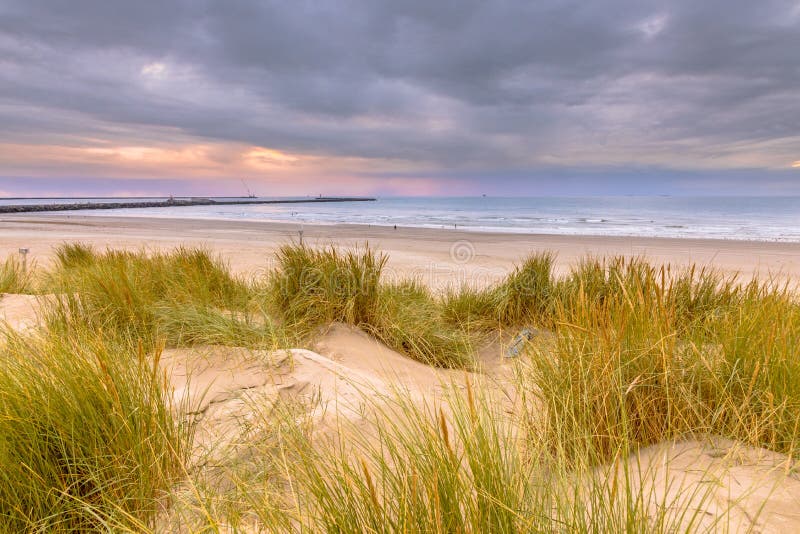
x=24, y=253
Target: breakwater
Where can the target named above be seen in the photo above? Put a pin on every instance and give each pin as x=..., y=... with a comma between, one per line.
x=169, y=203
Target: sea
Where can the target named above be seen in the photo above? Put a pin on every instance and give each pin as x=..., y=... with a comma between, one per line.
x=737, y=218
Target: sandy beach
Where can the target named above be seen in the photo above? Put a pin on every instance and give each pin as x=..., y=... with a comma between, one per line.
x=441, y=267
x=436, y=256
x=343, y=373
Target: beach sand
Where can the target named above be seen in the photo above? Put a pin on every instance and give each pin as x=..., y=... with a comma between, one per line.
x=437, y=256
x=751, y=482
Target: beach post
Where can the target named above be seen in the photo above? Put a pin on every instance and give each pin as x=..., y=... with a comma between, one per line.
x=301, y=234
x=24, y=253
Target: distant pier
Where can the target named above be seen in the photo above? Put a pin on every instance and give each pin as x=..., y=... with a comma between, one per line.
x=170, y=203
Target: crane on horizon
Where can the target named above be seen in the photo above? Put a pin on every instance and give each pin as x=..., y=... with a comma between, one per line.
x=250, y=194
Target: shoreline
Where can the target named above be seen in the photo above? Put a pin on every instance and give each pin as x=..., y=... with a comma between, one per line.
x=690, y=217
x=436, y=254
x=443, y=228
x=81, y=219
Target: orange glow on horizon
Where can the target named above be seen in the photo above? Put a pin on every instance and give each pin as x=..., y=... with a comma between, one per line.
x=151, y=155
x=261, y=157
x=183, y=160
x=267, y=170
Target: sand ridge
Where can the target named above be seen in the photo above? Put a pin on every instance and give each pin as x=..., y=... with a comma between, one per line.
x=747, y=488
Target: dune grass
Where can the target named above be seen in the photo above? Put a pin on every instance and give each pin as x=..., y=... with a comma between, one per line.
x=317, y=286
x=471, y=308
x=409, y=319
x=526, y=293
x=313, y=287
x=74, y=255
x=15, y=277
x=430, y=472
x=462, y=466
x=639, y=354
x=87, y=437
x=640, y=358
x=182, y=297
x=524, y=297
x=193, y=324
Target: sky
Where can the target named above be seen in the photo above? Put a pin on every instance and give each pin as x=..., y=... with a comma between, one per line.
x=392, y=97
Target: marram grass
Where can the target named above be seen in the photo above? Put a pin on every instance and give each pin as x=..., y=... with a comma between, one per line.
x=178, y=296
x=316, y=286
x=639, y=354
x=312, y=287
x=524, y=297
x=641, y=357
x=409, y=320
x=88, y=440
x=461, y=466
x=16, y=276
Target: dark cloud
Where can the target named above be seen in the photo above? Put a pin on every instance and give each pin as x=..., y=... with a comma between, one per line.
x=453, y=84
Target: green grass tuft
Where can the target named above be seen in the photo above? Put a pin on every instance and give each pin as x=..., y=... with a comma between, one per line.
x=471, y=308
x=15, y=277
x=87, y=436
x=130, y=293
x=316, y=286
x=525, y=295
x=641, y=357
x=197, y=325
x=313, y=287
x=73, y=255
x=409, y=320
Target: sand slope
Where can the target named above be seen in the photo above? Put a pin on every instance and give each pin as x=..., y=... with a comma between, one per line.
x=225, y=390
x=729, y=485
x=746, y=488
x=19, y=311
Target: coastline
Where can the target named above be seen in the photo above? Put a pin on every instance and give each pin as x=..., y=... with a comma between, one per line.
x=406, y=352
x=438, y=256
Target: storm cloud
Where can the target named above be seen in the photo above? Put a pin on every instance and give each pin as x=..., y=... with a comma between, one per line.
x=418, y=89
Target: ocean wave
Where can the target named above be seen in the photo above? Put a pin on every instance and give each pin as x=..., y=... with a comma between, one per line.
x=759, y=220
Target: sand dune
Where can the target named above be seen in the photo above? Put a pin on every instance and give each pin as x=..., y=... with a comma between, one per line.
x=746, y=488
x=225, y=390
